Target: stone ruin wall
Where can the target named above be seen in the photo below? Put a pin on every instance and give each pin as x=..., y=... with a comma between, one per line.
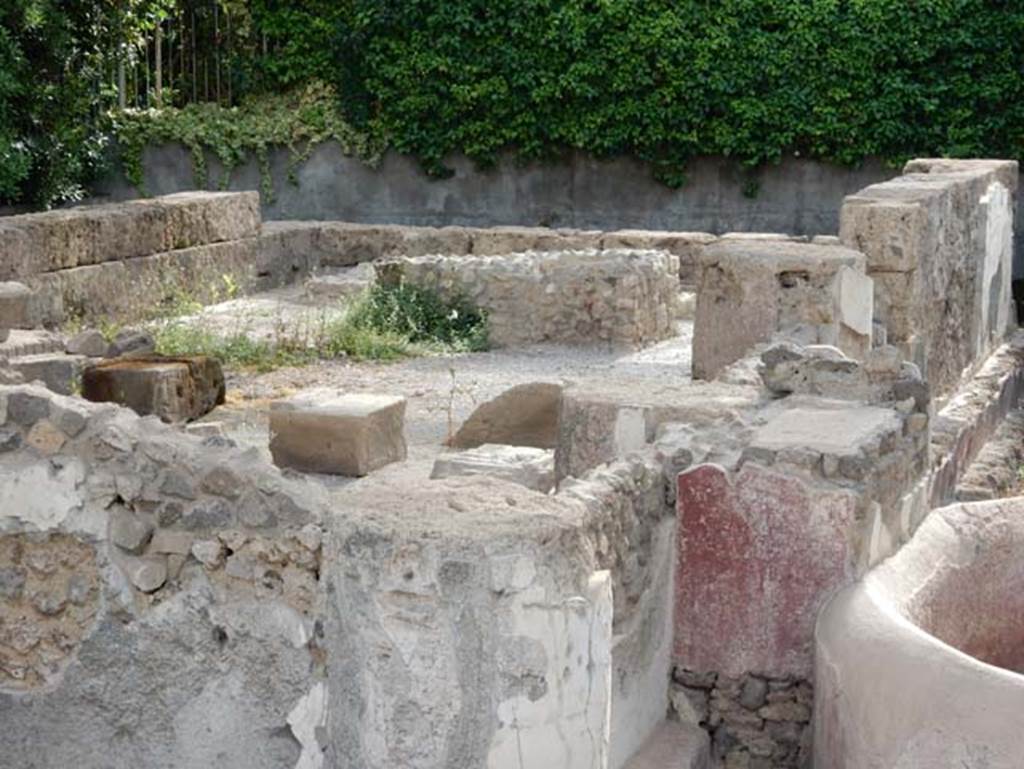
x=939, y=244
x=196, y=571
x=625, y=298
x=149, y=580
x=100, y=574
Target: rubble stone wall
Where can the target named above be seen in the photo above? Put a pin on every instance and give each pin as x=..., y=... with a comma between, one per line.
x=160, y=597
x=620, y=297
x=492, y=624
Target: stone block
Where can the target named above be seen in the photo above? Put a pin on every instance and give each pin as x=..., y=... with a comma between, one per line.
x=57, y=371
x=22, y=342
x=524, y=465
x=91, y=235
x=443, y=562
x=511, y=240
x=524, y=415
x=753, y=289
x=939, y=241
x=686, y=245
x=88, y=342
x=174, y=389
x=16, y=306
x=132, y=341
x=836, y=431
x=341, y=285
x=200, y=218
x=353, y=434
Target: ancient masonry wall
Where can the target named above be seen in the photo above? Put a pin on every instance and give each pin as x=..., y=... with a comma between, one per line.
x=542, y=624
x=616, y=296
x=169, y=595
x=939, y=243
x=160, y=595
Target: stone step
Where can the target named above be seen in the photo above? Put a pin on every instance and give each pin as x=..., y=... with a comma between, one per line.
x=30, y=342
x=674, y=745
x=58, y=371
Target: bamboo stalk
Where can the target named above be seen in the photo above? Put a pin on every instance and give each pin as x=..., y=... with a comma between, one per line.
x=158, y=53
x=195, y=71
x=216, y=47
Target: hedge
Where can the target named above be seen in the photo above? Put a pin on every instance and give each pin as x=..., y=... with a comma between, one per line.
x=836, y=80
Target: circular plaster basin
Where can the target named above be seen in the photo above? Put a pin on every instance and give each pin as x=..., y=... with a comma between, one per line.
x=919, y=664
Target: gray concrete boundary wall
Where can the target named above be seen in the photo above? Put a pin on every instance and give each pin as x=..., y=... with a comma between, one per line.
x=796, y=196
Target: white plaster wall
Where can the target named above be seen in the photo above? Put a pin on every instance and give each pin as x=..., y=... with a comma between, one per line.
x=641, y=656
x=996, y=271
x=567, y=727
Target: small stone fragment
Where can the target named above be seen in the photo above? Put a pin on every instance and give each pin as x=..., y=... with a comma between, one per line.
x=785, y=711
x=310, y=537
x=78, y=590
x=753, y=693
x=88, y=342
x=49, y=604
x=12, y=582
x=167, y=541
x=45, y=438
x=129, y=531
x=209, y=552
x=240, y=566
x=130, y=341
x=148, y=573
x=175, y=562
x=16, y=306
x=26, y=408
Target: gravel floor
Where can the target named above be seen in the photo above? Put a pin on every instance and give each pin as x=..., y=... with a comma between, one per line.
x=442, y=390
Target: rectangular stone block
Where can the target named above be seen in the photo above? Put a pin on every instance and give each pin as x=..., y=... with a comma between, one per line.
x=510, y=240
x=56, y=370
x=87, y=235
x=322, y=431
x=753, y=289
x=525, y=465
x=939, y=242
x=686, y=245
x=17, y=306
x=174, y=389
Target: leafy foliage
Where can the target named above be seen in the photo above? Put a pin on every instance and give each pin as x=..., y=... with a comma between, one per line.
x=299, y=120
x=54, y=57
x=421, y=315
x=664, y=80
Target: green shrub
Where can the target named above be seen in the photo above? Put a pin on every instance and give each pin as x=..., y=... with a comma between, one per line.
x=384, y=324
x=392, y=321
x=421, y=315
x=237, y=349
x=665, y=80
